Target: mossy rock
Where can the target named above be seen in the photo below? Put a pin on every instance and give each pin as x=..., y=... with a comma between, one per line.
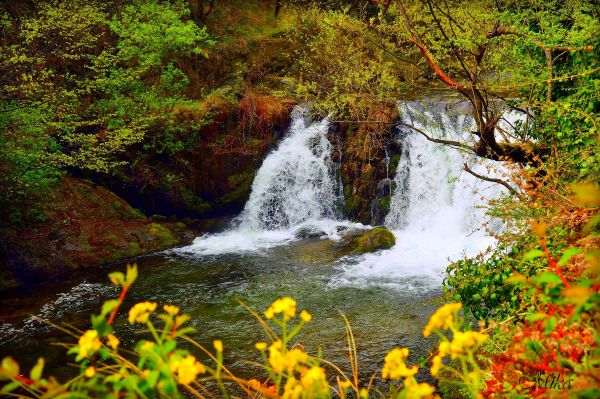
x=385, y=204
x=371, y=241
x=393, y=165
x=163, y=236
x=318, y=252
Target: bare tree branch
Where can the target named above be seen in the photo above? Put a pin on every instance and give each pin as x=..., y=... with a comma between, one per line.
x=456, y=144
x=491, y=180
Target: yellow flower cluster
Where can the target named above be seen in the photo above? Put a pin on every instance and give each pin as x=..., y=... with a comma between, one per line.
x=286, y=306
x=187, y=369
x=112, y=341
x=140, y=312
x=170, y=309
x=418, y=391
x=313, y=377
x=395, y=367
x=443, y=318
x=89, y=343
x=292, y=389
x=461, y=343
x=312, y=385
x=282, y=360
x=464, y=341
x=436, y=365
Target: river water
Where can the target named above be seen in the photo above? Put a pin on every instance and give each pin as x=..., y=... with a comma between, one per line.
x=277, y=247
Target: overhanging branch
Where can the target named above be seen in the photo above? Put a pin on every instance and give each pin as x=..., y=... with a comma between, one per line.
x=456, y=144
x=491, y=180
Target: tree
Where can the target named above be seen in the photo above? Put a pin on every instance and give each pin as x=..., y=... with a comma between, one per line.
x=487, y=51
x=80, y=84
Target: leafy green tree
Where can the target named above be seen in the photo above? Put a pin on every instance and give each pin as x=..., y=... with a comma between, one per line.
x=83, y=81
x=486, y=51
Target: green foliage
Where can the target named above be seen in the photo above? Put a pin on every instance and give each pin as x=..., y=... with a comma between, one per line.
x=485, y=285
x=109, y=80
x=344, y=68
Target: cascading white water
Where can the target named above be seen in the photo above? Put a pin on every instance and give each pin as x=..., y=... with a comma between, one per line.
x=433, y=191
x=296, y=183
x=294, y=190
x=436, y=208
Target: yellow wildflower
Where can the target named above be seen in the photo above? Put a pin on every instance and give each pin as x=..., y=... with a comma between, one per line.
x=443, y=318
x=305, y=316
x=314, y=376
x=315, y=383
x=261, y=346
x=140, y=312
x=465, y=341
x=112, y=341
x=344, y=385
x=89, y=343
x=187, y=369
x=281, y=360
x=292, y=389
x=286, y=306
x=436, y=365
x=444, y=348
x=420, y=391
x=395, y=367
x=218, y=344
x=269, y=313
x=170, y=309
x=363, y=393
x=90, y=372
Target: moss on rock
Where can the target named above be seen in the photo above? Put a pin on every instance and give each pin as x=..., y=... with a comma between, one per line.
x=371, y=241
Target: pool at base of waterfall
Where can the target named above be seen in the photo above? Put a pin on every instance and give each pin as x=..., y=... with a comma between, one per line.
x=385, y=314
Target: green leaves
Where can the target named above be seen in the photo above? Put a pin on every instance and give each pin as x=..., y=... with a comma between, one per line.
x=548, y=278
x=124, y=280
x=36, y=371
x=132, y=273
x=533, y=254
x=83, y=83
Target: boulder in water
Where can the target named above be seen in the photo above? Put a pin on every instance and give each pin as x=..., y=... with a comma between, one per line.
x=370, y=241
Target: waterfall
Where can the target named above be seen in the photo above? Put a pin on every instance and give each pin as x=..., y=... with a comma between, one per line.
x=433, y=191
x=295, y=183
x=295, y=193
x=437, y=209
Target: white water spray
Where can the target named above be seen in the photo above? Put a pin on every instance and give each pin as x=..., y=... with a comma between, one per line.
x=295, y=183
x=437, y=209
x=295, y=191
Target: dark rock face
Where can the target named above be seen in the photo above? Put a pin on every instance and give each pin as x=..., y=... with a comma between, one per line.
x=368, y=154
x=213, y=176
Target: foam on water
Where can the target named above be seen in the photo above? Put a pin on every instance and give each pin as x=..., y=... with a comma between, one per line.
x=241, y=240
